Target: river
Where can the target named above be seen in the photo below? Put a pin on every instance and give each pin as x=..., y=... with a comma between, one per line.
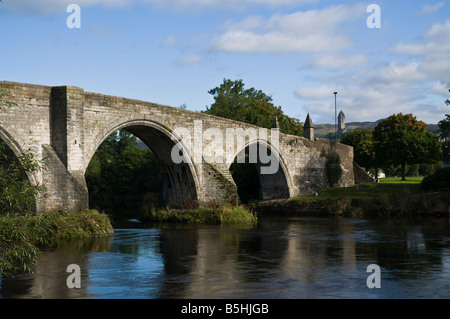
x=283, y=258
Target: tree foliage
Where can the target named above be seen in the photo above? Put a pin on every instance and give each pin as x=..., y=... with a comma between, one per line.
x=401, y=140
x=363, y=147
x=233, y=101
x=444, y=125
x=437, y=181
x=17, y=199
x=333, y=169
x=17, y=194
x=121, y=168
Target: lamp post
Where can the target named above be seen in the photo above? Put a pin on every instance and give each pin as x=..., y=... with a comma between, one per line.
x=335, y=116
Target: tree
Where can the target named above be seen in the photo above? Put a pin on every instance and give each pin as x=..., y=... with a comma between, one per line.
x=444, y=125
x=333, y=169
x=233, y=101
x=121, y=168
x=17, y=198
x=402, y=139
x=17, y=194
x=363, y=146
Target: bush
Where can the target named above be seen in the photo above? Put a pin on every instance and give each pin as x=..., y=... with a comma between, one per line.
x=17, y=194
x=21, y=236
x=334, y=169
x=18, y=250
x=224, y=214
x=439, y=180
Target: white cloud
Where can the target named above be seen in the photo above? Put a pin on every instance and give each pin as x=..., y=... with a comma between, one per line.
x=401, y=73
x=334, y=62
x=435, y=41
x=358, y=103
x=237, y=5
x=47, y=7
x=191, y=59
x=440, y=88
x=415, y=80
x=432, y=52
x=276, y=42
x=439, y=32
x=431, y=8
x=315, y=93
x=302, y=31
x=169, y=41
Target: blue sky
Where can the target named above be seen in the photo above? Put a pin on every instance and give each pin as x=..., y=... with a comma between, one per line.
x=298, y=51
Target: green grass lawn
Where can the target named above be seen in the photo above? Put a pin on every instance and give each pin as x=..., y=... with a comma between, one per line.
x=398, y=180
x=390, y=185
x=389, y=197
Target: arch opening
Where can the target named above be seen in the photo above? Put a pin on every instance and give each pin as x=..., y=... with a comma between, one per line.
x=132, y=171
x=255, y=177
x=17, y=190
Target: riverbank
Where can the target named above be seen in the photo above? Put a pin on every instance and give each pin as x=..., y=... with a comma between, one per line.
x=390, y=197
x=22, y=236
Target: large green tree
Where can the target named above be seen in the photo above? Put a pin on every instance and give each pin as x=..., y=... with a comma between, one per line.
x=363, y=145
x=233, y=101
x=403, y=140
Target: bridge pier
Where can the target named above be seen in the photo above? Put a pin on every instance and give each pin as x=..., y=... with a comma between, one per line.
x=63, y=177
x=64, y=190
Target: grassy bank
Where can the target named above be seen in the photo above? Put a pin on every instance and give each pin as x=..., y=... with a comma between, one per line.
x=224, y=214
x=22, y=236
x=389, y=197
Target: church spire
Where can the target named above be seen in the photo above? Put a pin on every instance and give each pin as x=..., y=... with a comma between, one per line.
x=275, y=123
x=308, y=128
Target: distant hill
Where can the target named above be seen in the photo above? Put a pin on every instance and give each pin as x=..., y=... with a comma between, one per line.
x=322, y=130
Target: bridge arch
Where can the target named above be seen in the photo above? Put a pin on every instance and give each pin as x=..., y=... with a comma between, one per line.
x=273, y=184
x=17, y=150
x=180, y=181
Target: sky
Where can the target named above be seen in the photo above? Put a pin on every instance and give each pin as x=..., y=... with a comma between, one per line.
x=384, y=60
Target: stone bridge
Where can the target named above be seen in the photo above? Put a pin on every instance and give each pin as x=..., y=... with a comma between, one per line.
x=63, y=126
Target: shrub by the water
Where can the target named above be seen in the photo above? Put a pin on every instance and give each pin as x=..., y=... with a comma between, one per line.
x=223, y=214
x=439, y=180
x=22, y=236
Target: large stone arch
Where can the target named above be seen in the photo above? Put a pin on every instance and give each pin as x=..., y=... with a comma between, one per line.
x=181, y=181
x=273, y=185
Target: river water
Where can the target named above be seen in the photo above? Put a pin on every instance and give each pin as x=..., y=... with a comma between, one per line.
x=283, y=258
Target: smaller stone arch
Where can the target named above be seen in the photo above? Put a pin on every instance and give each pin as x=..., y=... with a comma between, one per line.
x=274, y=183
